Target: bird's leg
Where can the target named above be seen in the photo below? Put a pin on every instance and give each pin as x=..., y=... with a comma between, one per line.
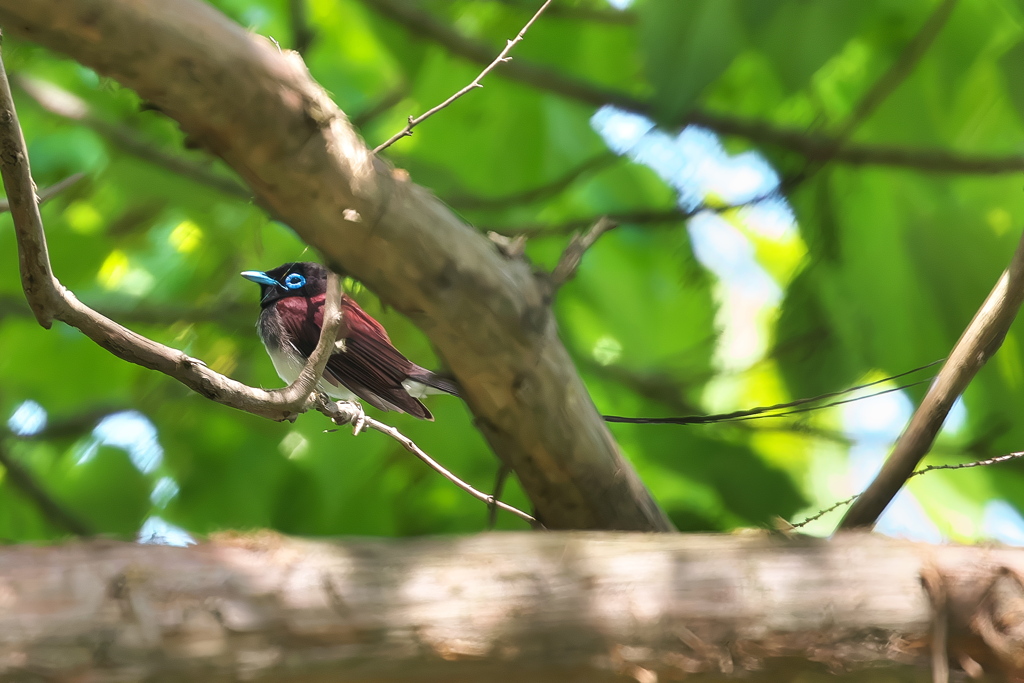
x=351, y=412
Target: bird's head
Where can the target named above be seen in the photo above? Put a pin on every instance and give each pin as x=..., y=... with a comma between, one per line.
x=304, y=279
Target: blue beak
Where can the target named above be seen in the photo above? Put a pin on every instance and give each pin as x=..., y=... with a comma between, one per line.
x=260, y=277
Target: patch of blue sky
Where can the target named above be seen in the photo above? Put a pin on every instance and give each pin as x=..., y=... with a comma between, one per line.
x=130, y=431
x=158, y=531
x=164, y=491
x=28, y=418
x=620, y=4
x=1002, y=522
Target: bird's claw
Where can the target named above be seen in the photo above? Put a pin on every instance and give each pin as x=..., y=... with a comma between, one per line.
x=351, y=412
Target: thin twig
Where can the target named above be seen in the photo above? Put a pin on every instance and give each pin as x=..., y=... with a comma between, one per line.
x=570, y=260
x=62, y=103
x=810, y=145
x=982, y=338
x=50, y=301
x=48, y=193
x=924, y=470
x=502, y=57
x=499, y=487
x=21, y=479
x=348, y=412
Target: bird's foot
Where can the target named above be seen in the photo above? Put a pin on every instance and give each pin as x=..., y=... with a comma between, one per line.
x=351, y=412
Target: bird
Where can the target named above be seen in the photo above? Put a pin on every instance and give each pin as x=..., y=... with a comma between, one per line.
x=365, y=365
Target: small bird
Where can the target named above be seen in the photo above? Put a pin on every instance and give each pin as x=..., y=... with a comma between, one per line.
x=365, y=366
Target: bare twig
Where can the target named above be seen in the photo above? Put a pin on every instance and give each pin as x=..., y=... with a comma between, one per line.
x=344, y=412
x=924, y=470
x=22, y=480
x=502, y=57
x=499, y=487
x=302, y=33
x=62, y=103
x=534, y=194
x=48, y=193
x=810, y=145
x=979, y=342
x=573, y=254
x=50, y=301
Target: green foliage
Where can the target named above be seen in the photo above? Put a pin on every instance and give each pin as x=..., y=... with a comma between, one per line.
x=888, y=265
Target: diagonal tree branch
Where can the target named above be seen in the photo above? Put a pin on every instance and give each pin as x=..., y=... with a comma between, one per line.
x=813, y=146
x=22, y=480
x=258, y=109
x=982, y=338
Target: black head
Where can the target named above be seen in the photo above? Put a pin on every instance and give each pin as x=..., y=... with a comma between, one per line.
x=289, y=279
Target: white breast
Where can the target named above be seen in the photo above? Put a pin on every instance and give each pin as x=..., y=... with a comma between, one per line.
x=289, y=364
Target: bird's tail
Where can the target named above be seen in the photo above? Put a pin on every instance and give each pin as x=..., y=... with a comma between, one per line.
x=432, y=383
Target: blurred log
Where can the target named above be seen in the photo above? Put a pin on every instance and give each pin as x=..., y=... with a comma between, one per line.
x=507, y=607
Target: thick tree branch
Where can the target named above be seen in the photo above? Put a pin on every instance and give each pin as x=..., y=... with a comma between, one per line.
x=259, y=110
x=982, y=338
x=814, y=147
x=506, y=607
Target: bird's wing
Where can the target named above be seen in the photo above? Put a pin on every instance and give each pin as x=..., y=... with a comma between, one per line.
x=370, y=367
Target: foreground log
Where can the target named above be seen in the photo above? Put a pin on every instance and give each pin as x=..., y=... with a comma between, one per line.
x=497, y=607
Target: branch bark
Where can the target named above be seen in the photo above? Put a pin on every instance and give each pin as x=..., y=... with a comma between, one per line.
x=509, y=607
x=982, y=338
x=259, y=110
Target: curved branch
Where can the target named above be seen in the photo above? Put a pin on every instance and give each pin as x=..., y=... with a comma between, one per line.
x=489, y=318
x=50, y=301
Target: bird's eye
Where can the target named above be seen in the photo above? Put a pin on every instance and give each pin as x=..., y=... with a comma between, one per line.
x=294, y=281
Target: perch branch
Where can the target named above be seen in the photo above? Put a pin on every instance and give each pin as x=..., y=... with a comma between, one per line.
x=50, y=301
x=258, y=109
x=344, y=412
x=475, y=83
x=979, y=341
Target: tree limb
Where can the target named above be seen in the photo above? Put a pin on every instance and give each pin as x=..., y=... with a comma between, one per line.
x=22, y=480
x=982, y=338
x=505, y=607
x=258, y=109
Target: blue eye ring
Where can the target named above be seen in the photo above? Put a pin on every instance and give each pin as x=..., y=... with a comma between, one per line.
x=294, y=281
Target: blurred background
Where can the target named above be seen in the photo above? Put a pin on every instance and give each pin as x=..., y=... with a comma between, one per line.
x=811, y=196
